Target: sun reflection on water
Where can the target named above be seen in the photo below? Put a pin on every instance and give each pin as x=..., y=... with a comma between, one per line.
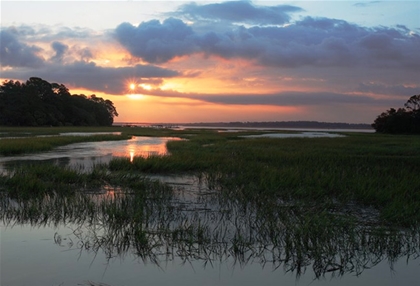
x=143, y=147
x=131, y=156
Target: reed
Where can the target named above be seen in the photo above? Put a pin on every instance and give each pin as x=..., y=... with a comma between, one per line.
x=370, y=169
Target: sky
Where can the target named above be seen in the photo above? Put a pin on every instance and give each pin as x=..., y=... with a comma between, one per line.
x=220, y=61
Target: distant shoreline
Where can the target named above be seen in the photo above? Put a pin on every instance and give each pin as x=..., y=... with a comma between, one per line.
x=267, y=124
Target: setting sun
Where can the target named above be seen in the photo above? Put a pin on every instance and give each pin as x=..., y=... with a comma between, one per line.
x=132, y=86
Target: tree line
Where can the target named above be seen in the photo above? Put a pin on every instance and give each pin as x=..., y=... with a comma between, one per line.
x=404, y=120
x=40, y=103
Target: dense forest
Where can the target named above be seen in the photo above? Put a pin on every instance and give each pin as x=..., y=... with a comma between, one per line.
x=402, y=120
x=40, y=103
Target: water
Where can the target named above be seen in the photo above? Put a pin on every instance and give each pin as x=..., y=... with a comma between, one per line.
x=31, y=256
x=86, y=155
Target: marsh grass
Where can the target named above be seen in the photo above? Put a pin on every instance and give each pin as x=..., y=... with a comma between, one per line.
x=38, y=180
x=370, y=169
x=293, y=203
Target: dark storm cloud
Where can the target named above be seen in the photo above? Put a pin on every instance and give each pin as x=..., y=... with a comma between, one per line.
x=89, y=76
x=15, y=53
x=60, y=49
x=319, y=42
x=239, y=12
x=157, y=42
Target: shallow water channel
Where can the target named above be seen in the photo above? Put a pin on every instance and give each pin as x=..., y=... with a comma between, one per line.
x=88, y=154
x=186, y=233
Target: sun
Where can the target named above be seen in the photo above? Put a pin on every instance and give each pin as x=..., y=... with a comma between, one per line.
x=134, y=89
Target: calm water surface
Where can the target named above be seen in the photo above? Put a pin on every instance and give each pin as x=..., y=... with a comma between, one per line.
x=88, y=154
x=31, y=256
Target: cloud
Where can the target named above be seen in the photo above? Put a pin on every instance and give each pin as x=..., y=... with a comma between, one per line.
x=286, y=98
x=157, y=42
x=318, y=42
x=73, y=33
x=290, y=99
x=85, y=54
x=88, y=75
x=386, y=89
x=60, y=49
x=14, y=53
x=366, y=4
x=239, y=12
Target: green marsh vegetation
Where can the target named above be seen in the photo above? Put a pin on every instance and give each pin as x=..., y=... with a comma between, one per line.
x=334, y=205
x=368, y=169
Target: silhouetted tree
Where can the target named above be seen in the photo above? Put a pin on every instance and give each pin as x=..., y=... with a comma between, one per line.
x=404, y=120
x=413, y=103
x=38, y=102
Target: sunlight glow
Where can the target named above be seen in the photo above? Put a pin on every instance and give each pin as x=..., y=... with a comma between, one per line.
x=146, y=86
x=136, y=96
x=172, y=86
x=132, y=86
